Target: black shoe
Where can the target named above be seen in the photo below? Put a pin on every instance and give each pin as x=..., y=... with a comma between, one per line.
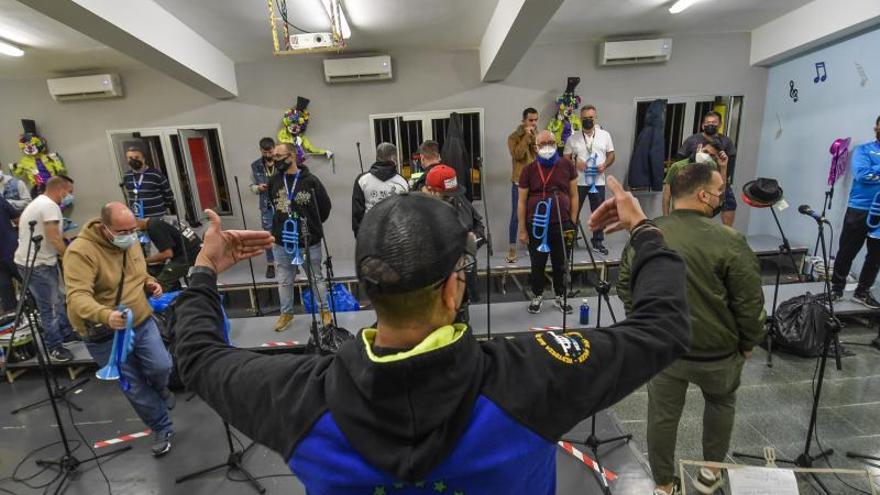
x=866, y=299
x=169, y=398
x=162, y=443
x=535, y=305
x=563, y=306
x=270, y=271
x=60, y=355
x=600, y=248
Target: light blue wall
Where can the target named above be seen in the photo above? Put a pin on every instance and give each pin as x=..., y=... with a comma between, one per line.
x=798, y=157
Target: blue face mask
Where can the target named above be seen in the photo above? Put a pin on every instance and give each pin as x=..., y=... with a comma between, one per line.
x=124, y=241
x=67, y=200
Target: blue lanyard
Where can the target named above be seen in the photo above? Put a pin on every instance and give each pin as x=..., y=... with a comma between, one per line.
x=291, y=191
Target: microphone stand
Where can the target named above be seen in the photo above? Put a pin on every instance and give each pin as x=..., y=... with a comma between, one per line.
x=67, y=464
x=257, y=310
x=603, y=288
x=313, y=332
x=826, y=204
x=328, y=265
x=832, y=328
x=771, y=321
x=489, y=250
x=566, y=274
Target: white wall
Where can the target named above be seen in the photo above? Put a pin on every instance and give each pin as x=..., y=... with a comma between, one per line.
x=424, y=80
x=838, y=107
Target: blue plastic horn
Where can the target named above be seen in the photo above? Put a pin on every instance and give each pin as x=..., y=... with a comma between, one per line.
x=123, y=342
x=138, y=209
x=290, y=240
x=591, y=173
x=541, y=223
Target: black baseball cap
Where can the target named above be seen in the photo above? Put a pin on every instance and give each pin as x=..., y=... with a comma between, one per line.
x=409, y=241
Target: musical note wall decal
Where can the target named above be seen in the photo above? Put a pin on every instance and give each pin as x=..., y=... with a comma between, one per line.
x=824, y=75
x=793, y=93
x=862, y=75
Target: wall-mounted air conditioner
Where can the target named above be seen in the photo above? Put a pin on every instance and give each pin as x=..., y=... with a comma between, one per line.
x=85, y=87
x=337, y=70
x=635, y=52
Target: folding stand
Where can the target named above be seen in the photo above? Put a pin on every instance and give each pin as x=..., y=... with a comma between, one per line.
x=772, y=322
x=234, y=461
x=603, y=288
x=257, y=310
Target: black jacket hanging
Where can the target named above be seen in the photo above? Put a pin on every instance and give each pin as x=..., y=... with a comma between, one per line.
x=646, y=165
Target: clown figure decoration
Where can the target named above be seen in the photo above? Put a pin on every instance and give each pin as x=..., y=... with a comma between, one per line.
x=293, y=130
x=36, y=164
x=566, y=120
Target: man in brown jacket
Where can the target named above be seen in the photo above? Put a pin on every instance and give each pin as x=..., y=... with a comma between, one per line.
x=521, y=144
x=105, y=273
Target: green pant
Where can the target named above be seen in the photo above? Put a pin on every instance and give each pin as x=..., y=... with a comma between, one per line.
x=718, y=380
x=170, y=274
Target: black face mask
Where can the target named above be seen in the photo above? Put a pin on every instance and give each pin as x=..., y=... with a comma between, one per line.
x=710, y=129
x=716, y=210
x=135, y=164
x=588, y=124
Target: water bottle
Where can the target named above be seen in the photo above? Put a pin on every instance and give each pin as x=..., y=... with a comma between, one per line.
x=585, y=312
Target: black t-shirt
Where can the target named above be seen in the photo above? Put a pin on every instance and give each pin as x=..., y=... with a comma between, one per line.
x=166, y=236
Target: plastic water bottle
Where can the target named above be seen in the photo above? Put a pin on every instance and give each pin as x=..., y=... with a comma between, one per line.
x=585, y=312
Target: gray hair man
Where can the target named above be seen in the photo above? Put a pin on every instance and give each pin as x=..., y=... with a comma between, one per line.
x=378, y=183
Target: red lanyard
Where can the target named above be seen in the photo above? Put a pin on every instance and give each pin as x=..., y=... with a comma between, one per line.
x=543, y=180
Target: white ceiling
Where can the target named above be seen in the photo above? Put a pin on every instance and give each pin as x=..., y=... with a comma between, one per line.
x=51, y=48
x=582, y=20
x=240, y=28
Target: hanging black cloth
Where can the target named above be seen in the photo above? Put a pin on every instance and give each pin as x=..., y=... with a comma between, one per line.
x=456, y=155
x=646, y=165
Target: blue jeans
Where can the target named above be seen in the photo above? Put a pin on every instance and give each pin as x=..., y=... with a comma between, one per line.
x=514, y=222
x=45, y=287
x=287, y=274
x=595, y=199
x=146, y=369
x=266, y=216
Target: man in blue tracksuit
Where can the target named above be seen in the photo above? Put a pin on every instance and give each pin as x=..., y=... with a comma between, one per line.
x=418, y=405
x=262, y=171
x=866, y=186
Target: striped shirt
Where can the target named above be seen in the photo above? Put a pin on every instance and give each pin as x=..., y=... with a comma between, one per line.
x=149, y=188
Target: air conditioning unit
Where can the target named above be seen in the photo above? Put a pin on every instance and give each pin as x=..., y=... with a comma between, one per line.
x=85, y=87
x=376, y=68
x=635, y=52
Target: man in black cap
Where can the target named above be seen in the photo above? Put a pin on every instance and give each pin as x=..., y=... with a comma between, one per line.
x=410, y=406
x=726, y=308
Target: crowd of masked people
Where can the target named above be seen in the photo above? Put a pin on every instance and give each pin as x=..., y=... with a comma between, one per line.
x=412, y=402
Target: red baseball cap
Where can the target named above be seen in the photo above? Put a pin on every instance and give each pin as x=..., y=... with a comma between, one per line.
x=442, y=178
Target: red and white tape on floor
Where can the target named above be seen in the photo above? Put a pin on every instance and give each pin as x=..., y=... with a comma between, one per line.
x=285, y=343
x=584, y=458
x=122, y=439
x=544, y=329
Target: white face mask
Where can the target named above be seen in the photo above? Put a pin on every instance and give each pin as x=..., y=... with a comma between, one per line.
x=546, y=152
x=702, y=157
x=125, y=241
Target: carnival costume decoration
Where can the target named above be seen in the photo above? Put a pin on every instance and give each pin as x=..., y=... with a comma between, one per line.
x=566, y=119
x=293, y=130
x=36, y=164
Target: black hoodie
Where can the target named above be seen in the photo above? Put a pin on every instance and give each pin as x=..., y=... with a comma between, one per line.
x=452, y=414
x=302, y=204
x=371, y=187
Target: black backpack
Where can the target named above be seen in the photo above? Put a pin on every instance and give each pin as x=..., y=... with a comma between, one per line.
x=802, y=325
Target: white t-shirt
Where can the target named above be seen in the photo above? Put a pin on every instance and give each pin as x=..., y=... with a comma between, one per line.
x=42, y=209
x=581, y=147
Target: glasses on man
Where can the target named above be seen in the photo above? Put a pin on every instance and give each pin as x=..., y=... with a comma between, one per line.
x=279, y=158
x=123, y=231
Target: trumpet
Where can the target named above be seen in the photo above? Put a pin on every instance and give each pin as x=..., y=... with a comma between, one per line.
x=541, y=223
x=290, y=240
x=591, y=173
x=123, y=343
x=873, y=219
x=138, y=210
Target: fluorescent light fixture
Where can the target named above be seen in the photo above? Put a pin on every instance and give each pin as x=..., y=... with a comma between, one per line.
x=680, y=5
x=331, y=6
x=10, y=49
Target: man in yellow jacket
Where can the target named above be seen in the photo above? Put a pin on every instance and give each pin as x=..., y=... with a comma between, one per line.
x=105, y=273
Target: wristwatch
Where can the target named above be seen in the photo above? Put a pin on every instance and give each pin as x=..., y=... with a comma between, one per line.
x=201, y=269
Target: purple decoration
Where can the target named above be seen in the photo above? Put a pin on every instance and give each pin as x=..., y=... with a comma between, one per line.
x=839, y=156
x=566, y=131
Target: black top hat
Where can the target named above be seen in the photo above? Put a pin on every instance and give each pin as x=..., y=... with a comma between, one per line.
x=572, y=83
x=301, y=103
x=762, y=192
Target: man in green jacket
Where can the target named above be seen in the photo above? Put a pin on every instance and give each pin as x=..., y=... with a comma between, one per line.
x=726, y=308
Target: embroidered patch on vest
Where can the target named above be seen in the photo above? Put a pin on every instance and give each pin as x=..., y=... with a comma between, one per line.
x=570, y=347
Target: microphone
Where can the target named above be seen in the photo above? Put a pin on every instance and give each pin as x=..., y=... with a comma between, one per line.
x=32, y=224
x=806, y=210
x=37, y=239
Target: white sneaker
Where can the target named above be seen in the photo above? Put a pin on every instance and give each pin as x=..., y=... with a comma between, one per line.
x=535, y=305
x=708, y=482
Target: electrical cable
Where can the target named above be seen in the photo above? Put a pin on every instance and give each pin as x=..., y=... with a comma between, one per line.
x=88, y=446
x=24, y=480
x=282, y=11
